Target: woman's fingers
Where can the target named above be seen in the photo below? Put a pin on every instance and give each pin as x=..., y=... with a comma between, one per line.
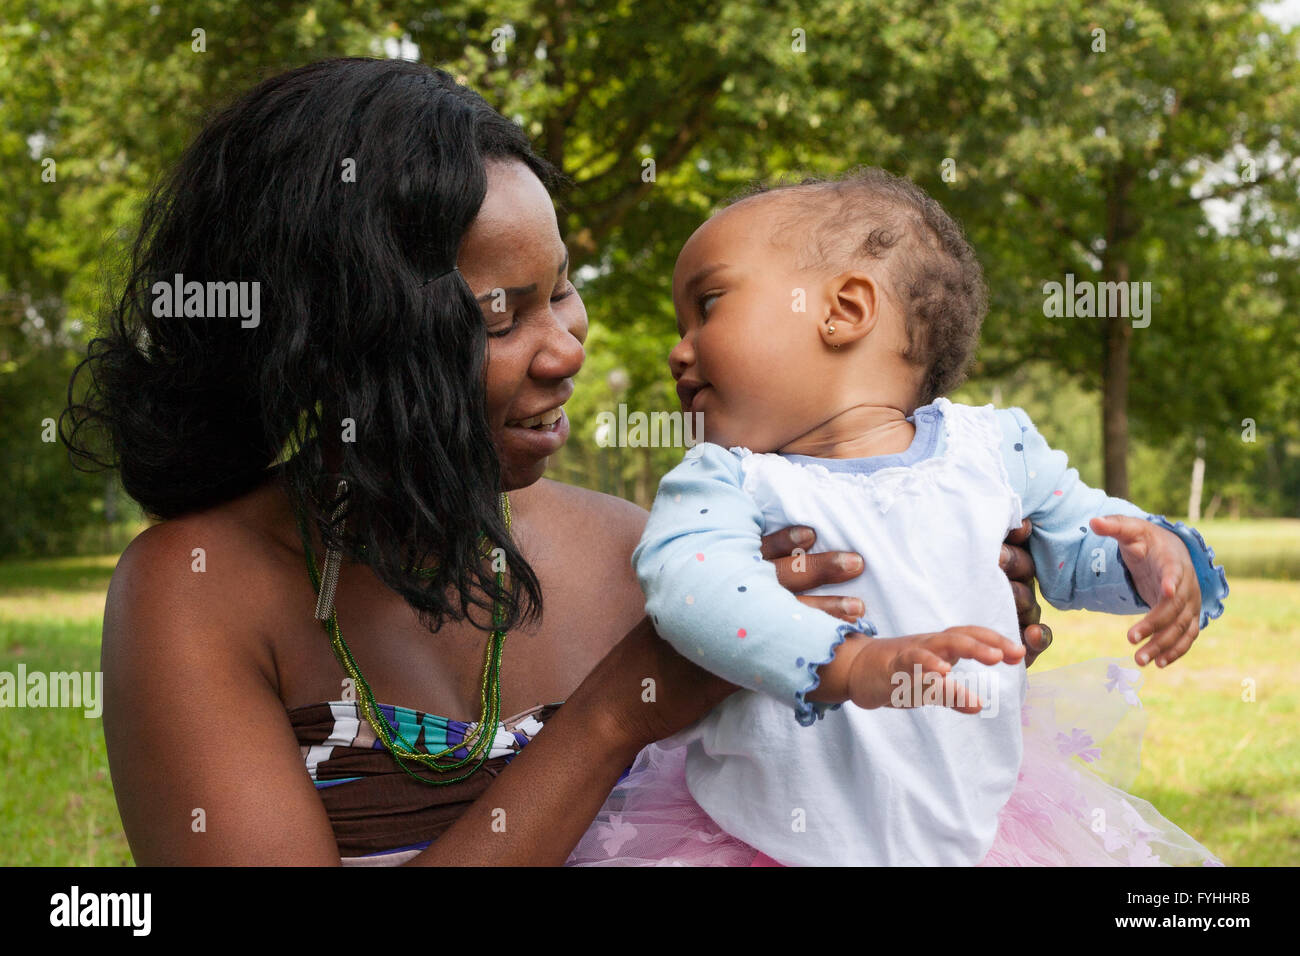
x=1038, y=638
x=1016, y=563
x=845, y=608
x=781, y=544
x=805, y=571
x=1027, y=607
x=1021, y=534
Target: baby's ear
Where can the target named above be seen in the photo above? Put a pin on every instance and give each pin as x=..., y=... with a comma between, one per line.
x=853, y=308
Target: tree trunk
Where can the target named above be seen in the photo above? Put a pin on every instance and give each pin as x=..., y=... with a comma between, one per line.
x=1120, y=226
x=1198, y=481
x=1114, y=398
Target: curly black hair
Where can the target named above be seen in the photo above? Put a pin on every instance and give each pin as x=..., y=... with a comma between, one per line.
x=870, y=213
x=343, y=189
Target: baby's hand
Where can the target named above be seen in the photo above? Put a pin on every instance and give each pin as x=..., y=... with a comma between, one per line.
x=886, y=663
x=1163, y=573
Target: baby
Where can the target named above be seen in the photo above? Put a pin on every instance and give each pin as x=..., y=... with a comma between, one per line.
x=821, y=324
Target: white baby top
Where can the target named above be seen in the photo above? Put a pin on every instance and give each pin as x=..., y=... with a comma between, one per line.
x=886, y=786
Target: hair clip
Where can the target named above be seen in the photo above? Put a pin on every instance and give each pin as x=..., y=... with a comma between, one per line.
x=440, y=275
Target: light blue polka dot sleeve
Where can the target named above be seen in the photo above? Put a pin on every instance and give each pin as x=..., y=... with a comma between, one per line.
x=713, y=597
x=1076, y=567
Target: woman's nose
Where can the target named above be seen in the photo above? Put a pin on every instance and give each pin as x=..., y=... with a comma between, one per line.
x=562, y=354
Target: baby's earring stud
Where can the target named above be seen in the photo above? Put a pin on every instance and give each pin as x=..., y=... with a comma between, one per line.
x=830, y=329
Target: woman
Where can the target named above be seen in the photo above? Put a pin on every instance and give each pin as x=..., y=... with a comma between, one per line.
x=416, y=338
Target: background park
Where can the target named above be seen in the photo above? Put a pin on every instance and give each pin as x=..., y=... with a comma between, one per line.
x=1149, y=141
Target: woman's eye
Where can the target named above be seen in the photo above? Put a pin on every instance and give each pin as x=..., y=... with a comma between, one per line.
x=502, y=333
x=564, y=293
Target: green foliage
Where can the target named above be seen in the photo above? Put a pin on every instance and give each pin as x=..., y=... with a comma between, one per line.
x=1067, y=159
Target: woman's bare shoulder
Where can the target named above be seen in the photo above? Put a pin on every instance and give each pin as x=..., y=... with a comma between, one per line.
x=566, y=507
x=184, y=580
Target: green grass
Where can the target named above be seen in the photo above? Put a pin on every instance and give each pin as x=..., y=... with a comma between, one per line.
x=56, y=803
x=1226, y=770
x=1255, y=547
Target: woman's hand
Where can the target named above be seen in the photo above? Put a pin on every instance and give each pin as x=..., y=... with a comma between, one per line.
x=1018, y=565
x=799, y=571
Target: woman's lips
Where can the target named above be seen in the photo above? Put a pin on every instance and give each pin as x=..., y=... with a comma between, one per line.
x=543, y=437
x=545, y=419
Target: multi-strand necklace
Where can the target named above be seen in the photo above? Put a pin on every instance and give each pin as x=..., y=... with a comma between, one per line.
x=479, y=738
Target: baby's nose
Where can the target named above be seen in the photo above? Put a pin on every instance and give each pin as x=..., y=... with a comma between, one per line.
x=681, y=357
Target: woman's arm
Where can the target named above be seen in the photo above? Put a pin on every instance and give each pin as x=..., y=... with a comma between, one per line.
x=206, y=768
x=535, y=813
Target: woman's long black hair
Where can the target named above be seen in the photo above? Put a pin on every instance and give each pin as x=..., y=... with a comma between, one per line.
x=343, y=189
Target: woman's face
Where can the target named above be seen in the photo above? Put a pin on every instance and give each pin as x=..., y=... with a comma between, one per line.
x=516, y=264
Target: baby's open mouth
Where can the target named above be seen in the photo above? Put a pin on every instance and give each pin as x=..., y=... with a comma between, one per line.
x=540, y=422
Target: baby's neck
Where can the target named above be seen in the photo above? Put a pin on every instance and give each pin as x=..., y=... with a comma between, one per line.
x=862, y=431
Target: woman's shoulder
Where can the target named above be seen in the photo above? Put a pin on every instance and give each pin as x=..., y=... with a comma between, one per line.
x=221, y=573
x=562, y=507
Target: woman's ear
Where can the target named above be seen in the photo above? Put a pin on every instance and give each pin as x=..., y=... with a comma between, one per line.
x=852, y=310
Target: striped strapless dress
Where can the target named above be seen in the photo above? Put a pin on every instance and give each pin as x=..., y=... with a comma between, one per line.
x=380, y=816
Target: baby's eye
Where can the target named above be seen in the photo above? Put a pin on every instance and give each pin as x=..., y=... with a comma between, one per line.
x=706, y=301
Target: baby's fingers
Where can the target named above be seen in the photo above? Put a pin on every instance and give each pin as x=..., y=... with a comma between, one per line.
x=914, y=686
x=976, y=643
x=1124, y=529
x=1164, y=641
x=1181, y=646
x=1164, y=613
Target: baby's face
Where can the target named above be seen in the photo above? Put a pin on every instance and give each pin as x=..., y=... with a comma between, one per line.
x=748, y=360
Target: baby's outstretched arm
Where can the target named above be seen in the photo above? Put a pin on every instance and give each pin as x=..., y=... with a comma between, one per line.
x=1100, y=553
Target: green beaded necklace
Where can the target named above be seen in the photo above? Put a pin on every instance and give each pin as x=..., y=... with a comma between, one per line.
x=478, y=742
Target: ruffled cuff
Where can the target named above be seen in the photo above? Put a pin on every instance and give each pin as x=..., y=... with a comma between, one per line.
x=1211, y=577
x=808, y=712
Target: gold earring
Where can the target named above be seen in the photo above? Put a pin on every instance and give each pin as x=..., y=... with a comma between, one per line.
x=830, y=330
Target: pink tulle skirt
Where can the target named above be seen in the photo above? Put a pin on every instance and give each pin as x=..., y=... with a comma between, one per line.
x=1082, y=744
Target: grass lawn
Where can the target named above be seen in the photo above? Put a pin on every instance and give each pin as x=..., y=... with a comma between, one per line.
x=1225, y=769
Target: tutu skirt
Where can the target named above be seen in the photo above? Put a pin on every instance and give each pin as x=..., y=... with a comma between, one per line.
x=1082, y=729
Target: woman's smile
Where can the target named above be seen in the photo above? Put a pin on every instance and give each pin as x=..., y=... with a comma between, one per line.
x=539, y=436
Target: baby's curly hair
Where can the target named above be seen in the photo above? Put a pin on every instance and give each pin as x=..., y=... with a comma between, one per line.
x=932, y=268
